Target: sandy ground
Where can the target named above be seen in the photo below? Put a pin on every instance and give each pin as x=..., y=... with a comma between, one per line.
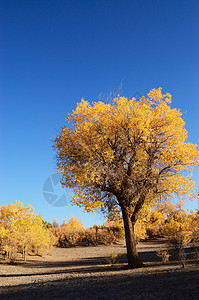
x=84, y=273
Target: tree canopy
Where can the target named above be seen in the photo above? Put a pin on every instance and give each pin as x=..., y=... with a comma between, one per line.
x=126, y=154
x=21, y=229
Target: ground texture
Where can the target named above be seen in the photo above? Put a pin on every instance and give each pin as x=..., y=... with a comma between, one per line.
x=84, y=273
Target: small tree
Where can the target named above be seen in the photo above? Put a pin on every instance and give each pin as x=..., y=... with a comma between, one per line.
x=195, y=226
x=70, y=233
x=157, y=216
x=178, y=229
x=125, y=154
x=21, y=229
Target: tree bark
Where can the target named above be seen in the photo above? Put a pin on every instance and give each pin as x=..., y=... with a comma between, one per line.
x=132, y=254
x=24, y=253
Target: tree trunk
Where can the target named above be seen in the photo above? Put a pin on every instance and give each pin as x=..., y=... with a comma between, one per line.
x=24, y=253
x=132, y=254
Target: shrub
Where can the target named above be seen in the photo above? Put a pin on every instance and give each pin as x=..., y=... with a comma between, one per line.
x=164, y=255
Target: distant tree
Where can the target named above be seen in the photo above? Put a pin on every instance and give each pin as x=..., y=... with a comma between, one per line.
x=55, y=224
x=179, y=231
x=157, y=216
x=125, y=154
x=69, y=233
x=46, y=224
x=21, y=229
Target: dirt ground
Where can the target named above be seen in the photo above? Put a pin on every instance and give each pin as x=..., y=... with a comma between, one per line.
x=84, y=273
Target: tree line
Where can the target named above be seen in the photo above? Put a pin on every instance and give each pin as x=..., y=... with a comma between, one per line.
x=21, y=231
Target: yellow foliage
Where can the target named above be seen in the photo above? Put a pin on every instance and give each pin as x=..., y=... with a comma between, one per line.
x=181, y=228
x=123, y=155
x=74, y=224
x=21, y=229
x=164, y=255
x=195, y=226
x=178, y=228
x=130, y=139
x=68, y=234
x=140, y=230
x=72, y=233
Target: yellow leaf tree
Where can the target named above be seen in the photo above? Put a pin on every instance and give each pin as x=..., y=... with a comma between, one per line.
x=21, y=229
x=179, y=230
x=126, y=154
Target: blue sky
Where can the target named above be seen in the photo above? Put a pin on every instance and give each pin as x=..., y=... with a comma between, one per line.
x=54, y=52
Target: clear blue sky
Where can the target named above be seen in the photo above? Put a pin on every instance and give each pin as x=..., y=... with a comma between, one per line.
x=54, y=52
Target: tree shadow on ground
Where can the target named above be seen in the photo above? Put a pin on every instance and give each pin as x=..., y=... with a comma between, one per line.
x=94, y=264
x=94, y=278
x=126, y=285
